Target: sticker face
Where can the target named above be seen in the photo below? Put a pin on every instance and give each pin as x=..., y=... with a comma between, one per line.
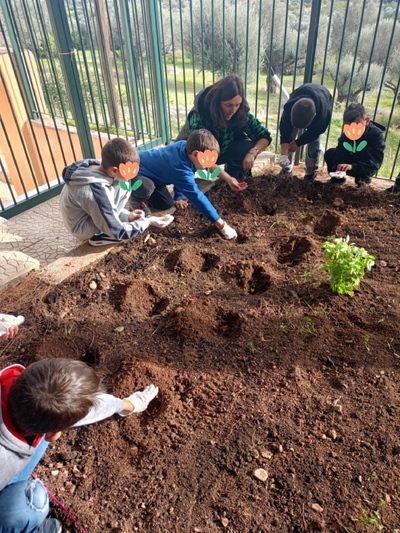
x=129, y=170
x=207, y=158
x=354, y=131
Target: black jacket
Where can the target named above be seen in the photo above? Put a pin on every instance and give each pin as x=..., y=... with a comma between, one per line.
x=367, y=161
x=323, y=105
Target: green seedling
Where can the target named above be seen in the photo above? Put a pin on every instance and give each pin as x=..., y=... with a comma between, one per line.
x=283, y=327
x=373, y=522
x=366, y=341
x=309, y=327
x=346, y=264
x=251, y=348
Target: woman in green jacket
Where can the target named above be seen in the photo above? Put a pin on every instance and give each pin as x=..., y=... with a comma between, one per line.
x=223, y=109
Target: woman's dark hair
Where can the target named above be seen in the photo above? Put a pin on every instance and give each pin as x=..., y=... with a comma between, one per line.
x=224, y=90
x=52, y=395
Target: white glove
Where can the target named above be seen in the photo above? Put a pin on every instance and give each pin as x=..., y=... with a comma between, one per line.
x=160, y=222
x=8, y=321
x=339, y=174
x=141, y=399
x=284, y=161
x=228, y=232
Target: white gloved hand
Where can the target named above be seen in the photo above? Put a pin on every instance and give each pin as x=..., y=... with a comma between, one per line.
x=141, y=399
x=284, y=161
x=8, y=321
x=160, y=222
x=228, y=232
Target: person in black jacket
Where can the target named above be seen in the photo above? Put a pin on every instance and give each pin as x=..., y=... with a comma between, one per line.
x=360, y=149
x=309, y=108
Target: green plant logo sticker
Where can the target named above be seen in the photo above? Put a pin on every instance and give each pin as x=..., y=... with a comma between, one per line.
x=354, y=131
x=129, y=170
x=207, y=159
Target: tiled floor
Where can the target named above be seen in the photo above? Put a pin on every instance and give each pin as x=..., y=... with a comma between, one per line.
x=33, y=240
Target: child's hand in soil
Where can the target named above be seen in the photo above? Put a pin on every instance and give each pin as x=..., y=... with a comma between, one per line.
x=235, y=185
x=181, y=204
x=284, y=161
x=139, y=400
x=135, y=215
x=9, y=326
x=228, y=232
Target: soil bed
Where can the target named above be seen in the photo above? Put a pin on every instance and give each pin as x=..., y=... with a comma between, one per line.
x=259, y=367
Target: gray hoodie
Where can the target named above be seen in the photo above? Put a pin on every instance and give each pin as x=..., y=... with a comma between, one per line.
x=15, y=454
x=91, y=201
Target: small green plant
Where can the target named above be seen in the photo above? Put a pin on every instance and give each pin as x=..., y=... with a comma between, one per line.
x=346, y=264
x=366, y=341
x=309, y=327
x=373, y=522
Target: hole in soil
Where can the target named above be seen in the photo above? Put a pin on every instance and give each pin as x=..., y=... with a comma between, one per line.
x=210, y=261
x=92, y=356
x=292, y=251
x=51, y=298
x=230, y=324
x=327, y=224
x=241, y=239
x=253, y=278
x=260, y=281
x=160, y=306
x=269, y=209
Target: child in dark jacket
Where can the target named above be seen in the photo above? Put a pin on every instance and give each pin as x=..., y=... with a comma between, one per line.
x=309, y=108
x=37, y=404
x=360, y=149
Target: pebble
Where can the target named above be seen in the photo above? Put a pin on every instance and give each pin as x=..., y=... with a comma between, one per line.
x=266, y=454
x=337, y=202
x=332, y=434
x=317, y=508
x=383, y=264
x=55, y=473
x=151, y=241
x=93, y=285
x=261, y=474
x=225, y=522
x=119, y=329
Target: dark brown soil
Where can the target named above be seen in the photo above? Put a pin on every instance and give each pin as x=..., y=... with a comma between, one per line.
x=259, y=367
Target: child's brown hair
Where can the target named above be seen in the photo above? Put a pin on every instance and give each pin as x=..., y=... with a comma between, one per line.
x=118, y=151
x=201, y=140
x=52, y=395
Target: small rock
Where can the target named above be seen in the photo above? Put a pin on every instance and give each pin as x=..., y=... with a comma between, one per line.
x=267, y=454
x=197, y=530
x=225, y=522
x=383, y=264
x=317, y=508
x=55, y=473
x=151, y=241
x=119, y=329
x=332, y=434
x=280, y=448
x=93, y=285
x=207, y=293
x=337, y=202
x=261, y=474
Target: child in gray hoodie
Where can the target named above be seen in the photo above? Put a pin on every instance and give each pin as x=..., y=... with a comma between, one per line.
x=92, y=202
x=36, y=405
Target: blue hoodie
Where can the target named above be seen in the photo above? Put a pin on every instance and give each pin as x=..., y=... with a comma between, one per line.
x=171, y=165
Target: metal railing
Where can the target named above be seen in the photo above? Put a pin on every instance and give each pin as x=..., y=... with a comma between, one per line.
x=75, y=73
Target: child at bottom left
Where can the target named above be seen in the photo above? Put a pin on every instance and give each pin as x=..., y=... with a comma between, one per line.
x=37, y=404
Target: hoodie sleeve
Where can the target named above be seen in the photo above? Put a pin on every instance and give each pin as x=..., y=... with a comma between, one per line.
x=372, y=158
x=254, y=129
x=106, y=405
x=108, y=214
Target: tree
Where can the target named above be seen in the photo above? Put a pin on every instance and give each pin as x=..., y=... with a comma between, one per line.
x=362, y=77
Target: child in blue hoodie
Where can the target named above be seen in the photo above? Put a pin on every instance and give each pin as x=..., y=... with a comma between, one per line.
x=92, y=203
x=176, y=165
